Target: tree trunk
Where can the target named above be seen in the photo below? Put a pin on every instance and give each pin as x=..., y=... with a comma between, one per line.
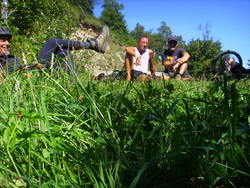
x=4, y=11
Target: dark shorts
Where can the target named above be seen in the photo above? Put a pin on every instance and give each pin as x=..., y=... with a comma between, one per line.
x=119, y=75
x=135, y=74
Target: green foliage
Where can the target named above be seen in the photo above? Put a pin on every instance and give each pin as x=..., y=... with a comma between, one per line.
x=137, y=32
x=202, y=53
x=119, y=134
x=86, y=5
x=124, y=40
x=112, y=16
x=27, y=15
x=55, y=133
x=33, y=22
x=159, y=40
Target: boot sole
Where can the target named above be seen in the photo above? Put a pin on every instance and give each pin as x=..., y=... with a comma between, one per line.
x=104, y=45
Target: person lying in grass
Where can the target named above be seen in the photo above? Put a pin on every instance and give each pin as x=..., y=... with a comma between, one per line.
x=232, y=67
x=59, y=47
x=7, y=60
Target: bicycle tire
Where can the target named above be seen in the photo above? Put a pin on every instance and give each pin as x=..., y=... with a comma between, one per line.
x=223, y=53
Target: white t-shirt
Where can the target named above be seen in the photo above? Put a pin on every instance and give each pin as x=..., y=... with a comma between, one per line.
x=143, y=67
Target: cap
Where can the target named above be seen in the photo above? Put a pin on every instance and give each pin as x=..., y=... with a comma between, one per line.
x=5, y=32
x=172, y=38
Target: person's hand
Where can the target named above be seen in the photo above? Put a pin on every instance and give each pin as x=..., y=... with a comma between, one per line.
x=138, y=61
x=177, y=64
x=150, y=76
x=175, y=67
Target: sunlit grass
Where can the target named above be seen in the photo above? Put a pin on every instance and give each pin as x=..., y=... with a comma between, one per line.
x=63, y=133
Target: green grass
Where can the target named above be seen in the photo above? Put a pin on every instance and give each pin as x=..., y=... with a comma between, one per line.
x=55, y=133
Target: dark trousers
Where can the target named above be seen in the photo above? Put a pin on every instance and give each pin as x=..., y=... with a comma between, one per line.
x=239, y=71
x=61, y=50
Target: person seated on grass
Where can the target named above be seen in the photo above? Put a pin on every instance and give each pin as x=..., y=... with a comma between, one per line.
x=59, y=47
x=137, y=61
x=232, y=67
x=175, y=60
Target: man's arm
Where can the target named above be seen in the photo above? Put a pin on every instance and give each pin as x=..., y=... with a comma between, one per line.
x=130, y=53
x=181, y=61
x=176, y=64
x=151, y=63
x=168, y=64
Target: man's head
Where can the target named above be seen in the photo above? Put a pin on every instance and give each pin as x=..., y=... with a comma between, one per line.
x=5, y=36
x=143, y=43
x=172, y=43
x=228, y=59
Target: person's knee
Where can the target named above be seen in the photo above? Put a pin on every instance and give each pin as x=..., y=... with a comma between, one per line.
x=143, y=78
x=51, y=41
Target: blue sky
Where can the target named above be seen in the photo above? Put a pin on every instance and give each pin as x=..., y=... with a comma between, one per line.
x=229, y=19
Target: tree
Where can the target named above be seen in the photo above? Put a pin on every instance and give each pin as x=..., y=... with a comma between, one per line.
x=165, y=31
x=159, y=40
x=86, y=5
x=137, y=32
x=202, y=53
x=112, y=16
x=26, y=14
x=4, y=10
x=206, y=30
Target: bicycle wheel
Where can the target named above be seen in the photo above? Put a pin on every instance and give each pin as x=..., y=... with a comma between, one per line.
x=228, y=52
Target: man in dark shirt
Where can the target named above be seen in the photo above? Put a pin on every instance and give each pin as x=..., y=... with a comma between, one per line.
x=175, y=60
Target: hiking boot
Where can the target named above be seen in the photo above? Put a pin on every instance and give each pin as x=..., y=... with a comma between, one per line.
x=99, y=43
x=180, y=77
x=186, y=79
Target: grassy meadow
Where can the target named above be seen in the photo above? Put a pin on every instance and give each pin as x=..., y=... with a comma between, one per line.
x=56, y=132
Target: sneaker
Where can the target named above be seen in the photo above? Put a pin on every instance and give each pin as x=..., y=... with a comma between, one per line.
x=99, y=43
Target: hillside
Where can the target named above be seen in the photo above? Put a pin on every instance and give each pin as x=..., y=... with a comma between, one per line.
x=95, y=62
